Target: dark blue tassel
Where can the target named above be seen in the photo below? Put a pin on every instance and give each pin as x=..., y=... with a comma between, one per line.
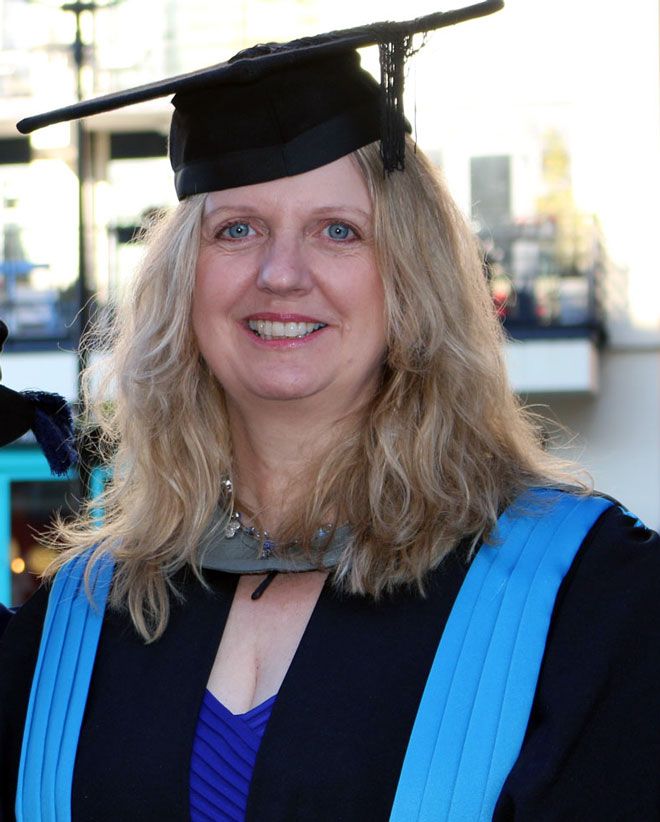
x=53, y=430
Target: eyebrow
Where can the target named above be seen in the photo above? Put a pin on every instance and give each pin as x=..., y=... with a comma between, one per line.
x=243, y=209
x=334, y=209
x=249, y=210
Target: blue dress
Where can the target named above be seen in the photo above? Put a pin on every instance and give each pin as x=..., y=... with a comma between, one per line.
x=223, y=756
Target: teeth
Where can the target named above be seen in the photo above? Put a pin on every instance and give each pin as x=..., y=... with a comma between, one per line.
x=276, y=330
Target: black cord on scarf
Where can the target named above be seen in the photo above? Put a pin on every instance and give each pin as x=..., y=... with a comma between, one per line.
x=258, y=591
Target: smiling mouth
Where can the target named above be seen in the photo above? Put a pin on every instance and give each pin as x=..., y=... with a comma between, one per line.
x=269, y=330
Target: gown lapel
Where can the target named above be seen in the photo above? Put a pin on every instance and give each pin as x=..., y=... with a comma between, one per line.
x=142, y=710
x=337, y=736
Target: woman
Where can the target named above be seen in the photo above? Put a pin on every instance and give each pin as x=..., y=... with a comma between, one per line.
x=312, y=412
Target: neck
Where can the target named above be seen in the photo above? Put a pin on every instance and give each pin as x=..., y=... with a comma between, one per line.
x=274, y=443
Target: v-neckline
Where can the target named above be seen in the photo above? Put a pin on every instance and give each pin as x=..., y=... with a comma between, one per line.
x=216, y=680
x=213, y=700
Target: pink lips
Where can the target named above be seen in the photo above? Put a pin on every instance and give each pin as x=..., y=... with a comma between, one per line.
x=282, y=318
x=283, y=343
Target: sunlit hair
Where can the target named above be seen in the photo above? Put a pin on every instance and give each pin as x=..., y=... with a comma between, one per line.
x=425, y=466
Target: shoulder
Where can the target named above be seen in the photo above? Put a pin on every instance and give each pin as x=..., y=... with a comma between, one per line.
x=593, y=738
x=614, y=580
x=5, y=616
x=20, y=639
x=614, y=552
x=19, y=648
x=618, y=563
x=608, y=606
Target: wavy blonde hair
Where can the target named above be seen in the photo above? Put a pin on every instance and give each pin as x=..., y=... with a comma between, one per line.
x=437, y=453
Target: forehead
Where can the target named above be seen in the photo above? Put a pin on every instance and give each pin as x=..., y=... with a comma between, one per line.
x=339, y=184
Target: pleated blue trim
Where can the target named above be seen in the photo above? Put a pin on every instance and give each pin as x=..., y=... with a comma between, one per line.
x=223, y=757
x=59, y=692
x=476, y=704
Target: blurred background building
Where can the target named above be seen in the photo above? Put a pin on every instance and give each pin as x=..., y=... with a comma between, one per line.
x=545, y=122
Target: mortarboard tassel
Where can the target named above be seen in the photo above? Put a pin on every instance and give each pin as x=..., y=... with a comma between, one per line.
x=393, y=55
x=53, y=429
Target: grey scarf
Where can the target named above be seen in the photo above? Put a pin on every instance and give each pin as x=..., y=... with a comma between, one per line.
x=241, y=554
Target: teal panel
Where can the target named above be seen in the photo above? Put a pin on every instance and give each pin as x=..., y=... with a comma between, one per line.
x=97, y=479
x=5, y=538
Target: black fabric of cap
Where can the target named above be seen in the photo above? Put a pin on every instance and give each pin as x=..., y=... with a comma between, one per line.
x=282, y=109
x=290, y=121
x=16, y=415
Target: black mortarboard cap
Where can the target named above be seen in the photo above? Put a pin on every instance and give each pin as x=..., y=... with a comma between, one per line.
x=281, y=109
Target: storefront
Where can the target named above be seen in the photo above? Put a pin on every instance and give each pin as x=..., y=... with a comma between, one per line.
x=29, y=498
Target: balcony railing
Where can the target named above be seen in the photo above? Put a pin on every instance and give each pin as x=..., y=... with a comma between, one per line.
x=545, y=284
x=37, y=318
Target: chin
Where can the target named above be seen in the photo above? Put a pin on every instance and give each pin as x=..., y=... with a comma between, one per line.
x=284, y=392
x=285, y=384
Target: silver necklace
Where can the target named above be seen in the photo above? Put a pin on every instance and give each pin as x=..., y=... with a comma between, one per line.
x=235, y=525
x=231, y=546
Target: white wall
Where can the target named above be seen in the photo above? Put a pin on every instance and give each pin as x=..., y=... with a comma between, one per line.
x=55, y=371
x=619, y=429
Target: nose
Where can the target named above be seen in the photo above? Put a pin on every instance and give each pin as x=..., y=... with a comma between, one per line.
x=283, y=269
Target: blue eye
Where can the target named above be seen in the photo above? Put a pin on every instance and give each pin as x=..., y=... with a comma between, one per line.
x=237, y=231
x=339, y=231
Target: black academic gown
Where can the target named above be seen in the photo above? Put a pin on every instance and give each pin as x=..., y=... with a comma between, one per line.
x=337, y=736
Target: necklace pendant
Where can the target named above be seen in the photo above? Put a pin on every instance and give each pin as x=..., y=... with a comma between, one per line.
x=233, y=526
x=267, y=548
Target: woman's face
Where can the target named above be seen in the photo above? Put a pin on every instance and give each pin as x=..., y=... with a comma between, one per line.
x=288, y=302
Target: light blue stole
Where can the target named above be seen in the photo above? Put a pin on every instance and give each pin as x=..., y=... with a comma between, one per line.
x=59, y=692
x=476, y=703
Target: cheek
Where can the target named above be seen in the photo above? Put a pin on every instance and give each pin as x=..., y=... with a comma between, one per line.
x=364, y=301
x=371, y=301
x=200, y=302
x=207, y=279
x=213, y=292
x=208, y=310
x=221, y=280
x=377, y=314
x=197, y=319
x=359, y=289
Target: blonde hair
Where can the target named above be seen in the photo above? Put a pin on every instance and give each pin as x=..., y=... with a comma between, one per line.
x=437, y=453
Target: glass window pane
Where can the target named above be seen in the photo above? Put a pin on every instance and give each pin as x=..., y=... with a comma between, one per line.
x=33, y=505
